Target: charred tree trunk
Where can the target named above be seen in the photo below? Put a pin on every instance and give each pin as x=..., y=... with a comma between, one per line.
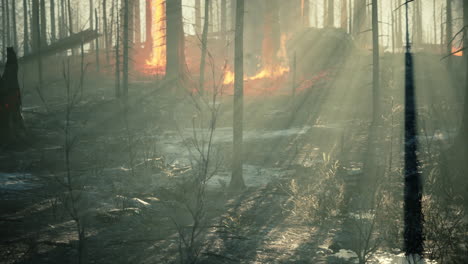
x=15, y=33
x=434, y=18
x=11, y=120
x=223, y=18
x=125, y=41
x=97, y=39
x=43, y=35
x=237, y=179
x=117, y=59
x=464, y=127
x=375, y=62
x=413, y=217
x=25, y=28
x=8, y=25
x=4, y=44
x=52, y=21
x=201, y=85
x=449, y=33
x=105, y=30
x=35, y=29
x=197, y=17
x=91, y=20
x=149, y=26
x=70, y=18
x=175, y=52
x=137, y=23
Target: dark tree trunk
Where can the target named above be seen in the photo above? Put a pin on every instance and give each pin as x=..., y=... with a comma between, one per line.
x=149, y=26
x=198, y=17
x=175, y=43
x=125, y=47
x=97, y=39
x=91, y=20
x=449, y=33
x=223, y=18
x=70, y=18
x=359, y=18
x=25, y=28
x=237, y=179
x=11, y=120
x=464, y=127
x=4, y=44
x=43, y=35
x=52, y=21
x=8, y=25
x=117, y=59
x=35, y=28
x=137, y=23
x=15, y=33
x=105, y=30
x=204, y=44
x=413, y=217
x=375, y=62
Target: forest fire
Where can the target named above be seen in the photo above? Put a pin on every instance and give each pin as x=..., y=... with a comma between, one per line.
x=457, y=52
x=157, y=62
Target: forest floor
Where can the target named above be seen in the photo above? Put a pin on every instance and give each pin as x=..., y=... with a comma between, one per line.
x=131, y=202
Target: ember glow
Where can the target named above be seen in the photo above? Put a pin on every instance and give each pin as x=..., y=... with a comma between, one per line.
x=157, y=62
x=459, y=53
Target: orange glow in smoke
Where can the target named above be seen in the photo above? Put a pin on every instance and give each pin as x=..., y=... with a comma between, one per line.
x=157, y=62
x=458, y=54
x=270, y=70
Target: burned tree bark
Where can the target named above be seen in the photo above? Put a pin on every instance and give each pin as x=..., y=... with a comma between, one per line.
x=11, y=120
x=175, y=52
x=449, y=33
x=52, y=21
x=464, y=128
x=137, y=23
x=25, y=28
x=201, y=85
x=43, y=32
x=237, y=179
x=375, y=62
x=149, y=26
x=15, y=33
x=125, y=48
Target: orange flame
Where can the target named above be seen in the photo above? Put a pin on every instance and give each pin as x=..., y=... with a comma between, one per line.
x=157, y=61
x=271, y=70
x=455, y=53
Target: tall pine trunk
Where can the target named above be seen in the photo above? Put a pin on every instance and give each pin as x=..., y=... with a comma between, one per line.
x=223, y=18
x=125, y=41
x=197, y=17
x=331, y=13
x=375, y=61
x=91, y=20
x=237, y=179
x=137, y=23
x=52, y=21
x=464, y=128
x=8, y=25
x=105, y=30
x=15, y=33
x=25, y=28
x=43, y=24
x=201, y=84
x=449, y=33
x=149, y=26
x=175, y=44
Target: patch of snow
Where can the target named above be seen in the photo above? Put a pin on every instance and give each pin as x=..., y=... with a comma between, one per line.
x=345, y=254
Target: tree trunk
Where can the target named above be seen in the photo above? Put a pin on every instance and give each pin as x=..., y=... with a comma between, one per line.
x=43, y=24
x=344, y=15
x=223, y=19
x=91, y=20
x=175, y=44
x=52, y=21
x=434, y=18
x=35, y=29
x=117, y=59
x=305, y=13
x=97, y=39
x=201, y=85
x=149, y=26
x=331, y=13
x=197, y=17
x=359, y=18
x=137, y=23
x=15, y=33
x=4, y=42
x=237, y=179
x=449, y=33
x=11, y=120
x=25, y=28
x=8, y=25
x=70, y=18
x=464, y=127
x=125, y=41
x=105, y=30
x=375, y=61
